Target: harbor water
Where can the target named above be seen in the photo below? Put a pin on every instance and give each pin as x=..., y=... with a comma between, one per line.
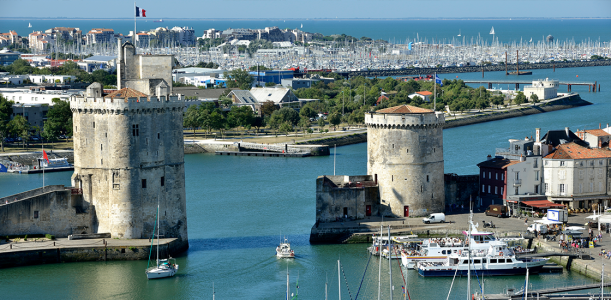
x=240, y=207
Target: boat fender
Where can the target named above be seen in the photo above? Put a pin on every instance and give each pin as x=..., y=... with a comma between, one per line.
x=459, y=252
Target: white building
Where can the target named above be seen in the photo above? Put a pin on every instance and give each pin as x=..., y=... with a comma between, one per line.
x=596, y=138
x=100, y=35
x=36, y=95
x=13, y=79
x=186, y=35
x=544, y=89
x=52, y=78
x=211, y=34
x=578, y=176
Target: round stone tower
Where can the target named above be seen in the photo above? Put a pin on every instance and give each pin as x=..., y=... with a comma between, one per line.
x=405, y=156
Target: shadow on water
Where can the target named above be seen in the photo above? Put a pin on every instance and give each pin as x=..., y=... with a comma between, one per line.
x=245, y=242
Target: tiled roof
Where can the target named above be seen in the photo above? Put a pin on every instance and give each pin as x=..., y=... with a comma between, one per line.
x=597, y=132
x=497, y=163
x=404, y=109
x=575, y=151
x=125, y=93
x=424, y=93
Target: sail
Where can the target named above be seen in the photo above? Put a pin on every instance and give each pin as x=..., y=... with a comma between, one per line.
x=492, y=30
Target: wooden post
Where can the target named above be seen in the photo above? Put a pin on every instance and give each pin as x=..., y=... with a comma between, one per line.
x=595, y=86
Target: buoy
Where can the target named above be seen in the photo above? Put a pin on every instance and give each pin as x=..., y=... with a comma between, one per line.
x=576, y=75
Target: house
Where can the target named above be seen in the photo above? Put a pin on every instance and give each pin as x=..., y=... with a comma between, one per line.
x=578, y=176
x=96, y=62
x=38, y=40
x=596, y=138
x=298, y=83
x=283, y=97
x=493, y=179
x=425, y=95
x=544, y=89
x=381, y=98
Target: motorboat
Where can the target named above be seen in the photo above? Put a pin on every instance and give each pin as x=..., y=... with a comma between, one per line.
x=284, y=250
x=497, y=260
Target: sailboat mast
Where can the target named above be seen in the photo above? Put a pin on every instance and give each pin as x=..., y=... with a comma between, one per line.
x=389, y=264
x=157, y=231
x=380, y=273
x=469, y=253
x=287, y=281
x=339, y=281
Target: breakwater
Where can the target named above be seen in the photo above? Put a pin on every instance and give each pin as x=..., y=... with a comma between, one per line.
x=470, y=69
x=62, y=251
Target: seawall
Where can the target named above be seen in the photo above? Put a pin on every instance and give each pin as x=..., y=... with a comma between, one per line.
x=88, y=250
x=588, y=267
x=469, y=69
x=338, y=140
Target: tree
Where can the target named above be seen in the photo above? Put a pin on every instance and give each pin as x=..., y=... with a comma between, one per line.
x=217, y=121
x=243, y=115
x=520, y=98
x=225, y=101
x=307, y=111
x=268, y=108
x=20, y=127
x=335, y=119
x=285, y=128
x=258, y=122
x=287, y=114
x=304, y=122
x=6, y=109
x=59, y=118
x=321, y=123
x=191, y=119
x=241, y=77
x=534, y=98
x=497, y=100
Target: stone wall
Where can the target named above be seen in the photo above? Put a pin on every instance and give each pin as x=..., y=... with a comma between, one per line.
x=458, y=189
x=405, y=154
x=338, y=140
x=52, y=211
x=354, y=193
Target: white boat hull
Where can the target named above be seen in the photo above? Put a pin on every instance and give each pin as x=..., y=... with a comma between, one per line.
x=161, y=272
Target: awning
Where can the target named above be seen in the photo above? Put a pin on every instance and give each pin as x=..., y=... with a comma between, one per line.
x=542, y=204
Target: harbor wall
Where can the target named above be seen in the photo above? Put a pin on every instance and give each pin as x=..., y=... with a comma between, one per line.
x=470, y=69
x=96, y=251
x=32, y=157
x=52, y=211
x=587, y=266
x=338, y=140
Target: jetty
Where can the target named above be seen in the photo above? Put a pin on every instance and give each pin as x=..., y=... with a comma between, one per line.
x=592, y=86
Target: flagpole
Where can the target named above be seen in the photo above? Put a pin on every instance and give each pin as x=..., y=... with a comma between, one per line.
x=134, y=35
x=435, y=92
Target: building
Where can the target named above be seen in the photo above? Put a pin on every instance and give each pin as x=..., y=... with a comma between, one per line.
x=405, y=157
x=544, y=89
x=282, y=97
x=129, y=151
x=425, y=95
x=35, y=114
x=211, y=34
x=100, y=35
x=204, y=81
x=596, y=138
x=184, y=35
x=577, y=176
x=39, y=41
x=7, y=57
x=98, y=62
x=346, y=197
x=13, y=79
x=493, y=179
x=36, y=95
x=274, y=76
x=143, y=39
x=298, y=83
x=66, y=34
x=10, y=38
x=178, y=74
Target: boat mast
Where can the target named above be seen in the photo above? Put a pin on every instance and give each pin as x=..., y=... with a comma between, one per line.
x=339, y=281
x=389, y=264
x=380, y=254
x=469, y=251
x=157, y=231
x=526, y=287
x=287, y=281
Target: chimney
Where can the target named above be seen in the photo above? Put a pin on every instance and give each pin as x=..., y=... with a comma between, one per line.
x=566, y=130
x=120, y=56
x=538, y=135
x=599, y=124
x=489, y=157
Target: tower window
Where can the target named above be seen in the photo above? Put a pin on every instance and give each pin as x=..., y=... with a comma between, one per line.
x=101, y=147
x=407, y=150
x=162, y=180
x=135, y=130
x=93, y=124
x=143, y=183
x=427, y=178
x=158, y=135
x=421, y=189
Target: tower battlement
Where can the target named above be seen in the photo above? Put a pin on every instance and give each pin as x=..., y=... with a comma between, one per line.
x=404, y=120
x=118, y=105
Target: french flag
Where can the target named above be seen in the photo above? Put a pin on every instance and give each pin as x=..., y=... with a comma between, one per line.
x=138, y=9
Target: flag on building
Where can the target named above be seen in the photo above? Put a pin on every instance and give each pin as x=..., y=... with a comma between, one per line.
x=44, y=155
x=138, y=10
x=438, y=80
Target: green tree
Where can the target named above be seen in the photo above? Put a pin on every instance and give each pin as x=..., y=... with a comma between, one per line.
x=20, y=127
x=534, y=98
x=285, y=128
x=242, y=79
x=268, y=108
x=335, y=119
x=520, y=98
x=192, y=118
x=287, y=114
x=497, y=100
x=59, y=118
x=307, y=111
x=217, y=121
x=6, y=109
x=321, y=123
x=304, y=123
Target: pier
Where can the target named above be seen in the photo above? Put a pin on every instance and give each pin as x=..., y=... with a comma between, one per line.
x=536, y=294
x=592, y=86
x=268, y=154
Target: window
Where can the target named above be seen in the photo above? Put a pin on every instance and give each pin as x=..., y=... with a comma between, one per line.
x=546, y=187
x=421, y=189
x=496, y=176
x=535, y=163
x=427, y=178
x=35, y=214
x=591, y=187
x=135, y=130
x=483, y=188
x=407, y=151
x=496, y=190
x=600, y=162
x=536, y=175
x=516, y=191
x=502, y=176
x=517, y=176
x=101, y=161
x=581, y=188
x=501, y=190
x=561, y=188
x=489, y=175
x=143, y=183
x=488, y=189
x=158, y=135
x=162, y=180
x=483, y=175
x=536, y=188
x=101, y=147
x=93, y=124
x=591, y=163
x=392, y=177
x=561, y=174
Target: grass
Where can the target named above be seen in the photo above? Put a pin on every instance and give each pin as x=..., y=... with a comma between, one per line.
x=17, y=148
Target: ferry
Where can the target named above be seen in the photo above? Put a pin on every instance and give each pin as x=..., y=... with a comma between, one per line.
x=437, y=250
x=381, y=242
x=497, y=260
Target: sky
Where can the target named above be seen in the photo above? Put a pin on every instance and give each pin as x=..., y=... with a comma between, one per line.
x=301, y=9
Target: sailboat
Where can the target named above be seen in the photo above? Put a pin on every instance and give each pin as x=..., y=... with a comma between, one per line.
x=29, y=25
x=459, y=32
x=165, y=267
x=492, y=30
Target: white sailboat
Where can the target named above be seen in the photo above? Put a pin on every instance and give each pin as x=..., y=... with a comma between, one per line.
x=492, y=30
x=165, y=267
x=459, y=32
x=29, y=25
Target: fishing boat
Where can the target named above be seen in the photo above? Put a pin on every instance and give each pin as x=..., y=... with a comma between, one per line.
x=497, y=260
x=284, y=250
x=165, y=267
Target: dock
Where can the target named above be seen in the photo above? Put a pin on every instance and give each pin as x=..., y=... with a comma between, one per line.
x=548, y=293
x=268, y=154
x=592, y=86
x=36, y=171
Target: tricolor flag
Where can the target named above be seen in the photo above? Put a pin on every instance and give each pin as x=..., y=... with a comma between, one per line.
x=138, y=9
x=44, y=155
x=438, y=80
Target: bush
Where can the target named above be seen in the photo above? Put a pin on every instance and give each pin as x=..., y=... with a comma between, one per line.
x=50, y=236
x=25, y=238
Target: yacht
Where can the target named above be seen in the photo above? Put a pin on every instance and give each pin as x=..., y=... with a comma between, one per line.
x=284, y=250
x=165, y=268
x=497, y=260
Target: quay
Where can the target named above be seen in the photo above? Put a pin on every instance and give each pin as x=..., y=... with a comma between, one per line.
x=548, y=293
x=62, y=250
x=592, y=86
x=36, y=171
x=268, y=154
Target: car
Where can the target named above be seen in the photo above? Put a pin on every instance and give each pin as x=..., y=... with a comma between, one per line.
x=435, y=218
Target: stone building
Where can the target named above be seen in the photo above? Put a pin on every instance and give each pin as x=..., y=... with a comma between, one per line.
x=129, y=150
x=341, y=197
x=405, y=157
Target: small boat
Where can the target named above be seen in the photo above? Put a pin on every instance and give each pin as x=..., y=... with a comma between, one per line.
x=158, y=21
x=459, y=32
x=29, y=25
x=165, y=267
x=284, y=250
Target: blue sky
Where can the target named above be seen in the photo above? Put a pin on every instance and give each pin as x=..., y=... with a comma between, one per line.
x=308, y=8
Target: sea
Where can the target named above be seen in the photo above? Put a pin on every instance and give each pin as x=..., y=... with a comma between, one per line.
x=239, y=208
x=393, y=30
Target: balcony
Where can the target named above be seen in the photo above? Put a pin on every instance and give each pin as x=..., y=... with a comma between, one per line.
x=517, y=182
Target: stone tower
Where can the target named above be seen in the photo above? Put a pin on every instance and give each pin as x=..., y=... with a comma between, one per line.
x=129, y=156
x=405, y=156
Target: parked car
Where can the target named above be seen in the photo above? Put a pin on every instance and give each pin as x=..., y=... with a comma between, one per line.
x=435, y=218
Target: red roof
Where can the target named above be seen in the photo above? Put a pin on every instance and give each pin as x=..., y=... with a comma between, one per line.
x=542, y=204
x=125, y=93
x=597, y=132
x=424, y=93
x=404, y=109
x=381, y=98
x=574, y=151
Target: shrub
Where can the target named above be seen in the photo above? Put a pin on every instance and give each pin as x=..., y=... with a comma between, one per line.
x=25, y=238
x=50, y=236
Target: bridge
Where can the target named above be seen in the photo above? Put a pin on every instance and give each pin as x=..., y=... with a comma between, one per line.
x=592, y=86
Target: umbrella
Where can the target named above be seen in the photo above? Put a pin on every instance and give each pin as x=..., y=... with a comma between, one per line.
x=575, y=228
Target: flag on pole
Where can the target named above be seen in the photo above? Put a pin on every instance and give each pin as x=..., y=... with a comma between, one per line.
x=44, y=155
x=138, y=10
x=438, y=80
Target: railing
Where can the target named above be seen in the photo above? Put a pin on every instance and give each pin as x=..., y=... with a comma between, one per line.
x=517, y=182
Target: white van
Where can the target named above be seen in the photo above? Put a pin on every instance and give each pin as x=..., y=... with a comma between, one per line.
x=435, y=218
x=541, y=228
